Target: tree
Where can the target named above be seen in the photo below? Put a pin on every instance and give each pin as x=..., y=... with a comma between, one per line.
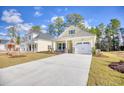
x=51, y=30
x=57, y=27
x=100, y=34
x=115, y=25
x=101, y=27
x=97, y=32
x=82, y=26
x=74, y=19
x=36, y=28
x=109, y=32
x=12, y=32
x=18, y=40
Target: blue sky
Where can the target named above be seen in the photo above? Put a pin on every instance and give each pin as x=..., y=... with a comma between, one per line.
x=43, y=15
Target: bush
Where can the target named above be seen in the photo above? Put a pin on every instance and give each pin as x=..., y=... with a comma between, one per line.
x=94, y=51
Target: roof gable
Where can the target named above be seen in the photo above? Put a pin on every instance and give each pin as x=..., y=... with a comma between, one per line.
x=78, y=32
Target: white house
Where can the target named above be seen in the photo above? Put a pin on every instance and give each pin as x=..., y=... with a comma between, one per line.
x=35, y=41
x=3, y=45
x=72, y=40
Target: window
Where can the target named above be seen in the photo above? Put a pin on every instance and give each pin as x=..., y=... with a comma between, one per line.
x=71, y=32
x=49, y=47
x=29, y=37
x=86, y=42
x=59, y=46
x=63, y=46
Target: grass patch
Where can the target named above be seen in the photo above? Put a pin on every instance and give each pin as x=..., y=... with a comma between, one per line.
x=6, y=61
x=101, y=75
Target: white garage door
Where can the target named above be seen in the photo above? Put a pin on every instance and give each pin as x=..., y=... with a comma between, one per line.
x=83, y=48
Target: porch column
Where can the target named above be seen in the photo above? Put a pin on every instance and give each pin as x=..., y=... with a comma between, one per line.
x=66, y=46
x=62, y=46
x=53, y=46
x=28, y=47
x=56, y=46
x=31, y=47
x=35, y=47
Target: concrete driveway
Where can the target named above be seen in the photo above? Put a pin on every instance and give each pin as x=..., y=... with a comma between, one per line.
x=60, y=70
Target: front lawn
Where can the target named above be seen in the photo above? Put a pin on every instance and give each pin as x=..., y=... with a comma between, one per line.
x=101, y=75
x=6, y=61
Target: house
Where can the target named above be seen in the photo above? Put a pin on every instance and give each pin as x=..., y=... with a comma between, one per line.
x=36, y=41
x=3, y=45
x=72, y=40
x=11, y=45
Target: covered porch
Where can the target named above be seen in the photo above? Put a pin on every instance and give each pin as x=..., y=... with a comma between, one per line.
x=32, y=47
x=65, y=46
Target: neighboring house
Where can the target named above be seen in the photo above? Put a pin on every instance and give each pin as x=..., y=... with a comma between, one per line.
x=3, y=43
x=36, y=41
x=72, y=40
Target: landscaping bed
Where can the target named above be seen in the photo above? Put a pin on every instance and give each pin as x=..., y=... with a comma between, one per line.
x=118, y=66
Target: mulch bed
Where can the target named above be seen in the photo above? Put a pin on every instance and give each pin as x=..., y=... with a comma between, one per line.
x=118, y=66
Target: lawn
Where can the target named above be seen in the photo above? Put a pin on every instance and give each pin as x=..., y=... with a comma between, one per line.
x=101, y=75
x=6, y=61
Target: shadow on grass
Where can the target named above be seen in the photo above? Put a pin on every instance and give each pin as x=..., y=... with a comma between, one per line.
x=18, y=56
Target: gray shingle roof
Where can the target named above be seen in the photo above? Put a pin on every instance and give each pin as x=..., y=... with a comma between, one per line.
x=44, y=36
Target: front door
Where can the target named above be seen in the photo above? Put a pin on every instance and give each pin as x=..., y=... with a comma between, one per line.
x=61, y=47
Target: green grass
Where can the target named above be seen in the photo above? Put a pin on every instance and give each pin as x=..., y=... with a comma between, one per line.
x=101, y=75
x=6, y=61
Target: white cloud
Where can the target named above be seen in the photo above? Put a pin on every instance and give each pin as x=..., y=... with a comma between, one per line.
x=3, y=34
x=38, y=13
x=54, y=18
x=43, y=26
x=8, y=27
x=22, y=27
x=11, y=16
x=86, y=23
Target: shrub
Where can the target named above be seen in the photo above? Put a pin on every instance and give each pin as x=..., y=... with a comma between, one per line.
x=94, y=51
